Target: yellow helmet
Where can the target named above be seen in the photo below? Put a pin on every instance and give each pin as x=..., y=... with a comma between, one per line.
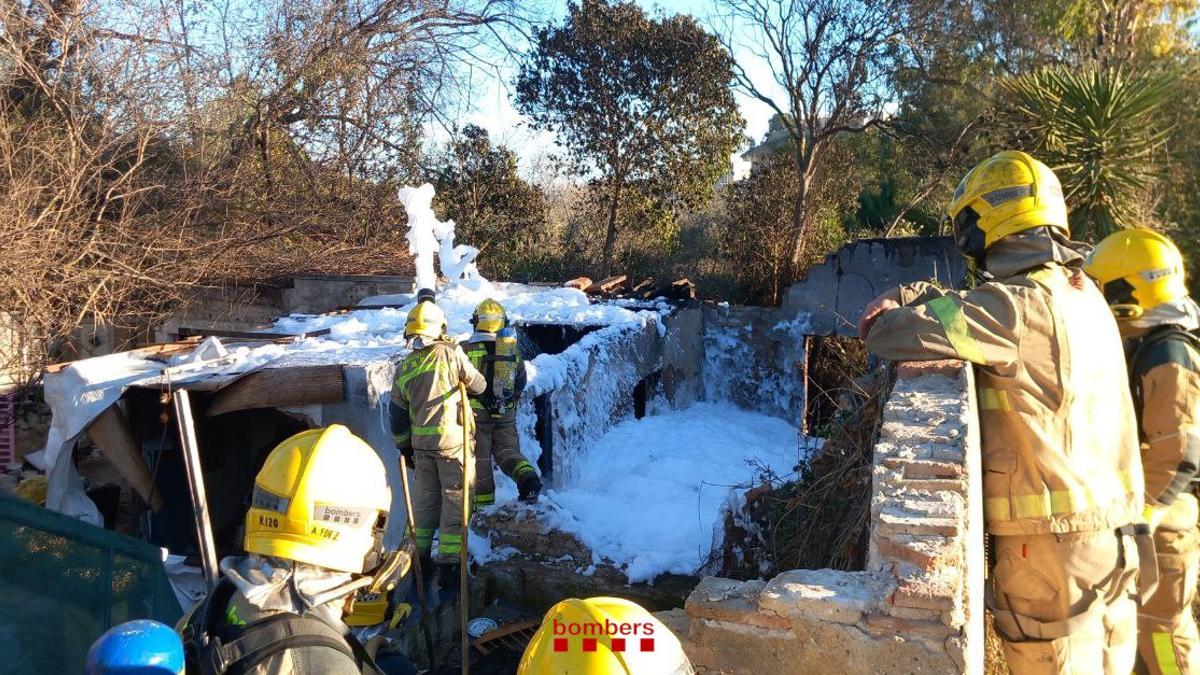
x=605, y=636
x=1138, y=269
x=489, y=316
x=426, y=320
x=1007, y=193
x=321, y=498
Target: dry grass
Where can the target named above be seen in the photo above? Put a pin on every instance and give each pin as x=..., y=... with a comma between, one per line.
x=820, y=520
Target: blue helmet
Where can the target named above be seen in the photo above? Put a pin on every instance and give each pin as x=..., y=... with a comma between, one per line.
x=140, y=647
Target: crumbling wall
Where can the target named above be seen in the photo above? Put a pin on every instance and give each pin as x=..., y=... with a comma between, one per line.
x=834, y=293
x=319, y=293
x=755, y=358
x=585, y=390
x=683, y=357
x=918, y=605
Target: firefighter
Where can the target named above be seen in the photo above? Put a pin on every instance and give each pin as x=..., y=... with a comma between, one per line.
x=1062, y=473
x=138, y=646
x=314, y=536
x=493, y=351
x=427, y=416
x=1141, y=273
x=624, y=638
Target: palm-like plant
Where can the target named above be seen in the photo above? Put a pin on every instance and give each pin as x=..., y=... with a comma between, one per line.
x=1099, y=129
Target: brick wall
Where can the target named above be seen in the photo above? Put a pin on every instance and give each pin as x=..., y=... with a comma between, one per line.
x=918, y=607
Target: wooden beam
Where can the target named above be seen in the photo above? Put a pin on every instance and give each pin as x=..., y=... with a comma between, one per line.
x=281, y=388
x=249, y=335
x=163, y=349
x=195, y=474
x=608, y=285
x=111, y=434
x=580, y=283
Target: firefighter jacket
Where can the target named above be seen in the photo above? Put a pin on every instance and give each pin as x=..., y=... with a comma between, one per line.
x=426, y=406
x=1059, y=438
x=497, y=357
x=1164, y=370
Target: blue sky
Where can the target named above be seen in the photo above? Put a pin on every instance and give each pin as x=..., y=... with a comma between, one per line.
x=490, y=106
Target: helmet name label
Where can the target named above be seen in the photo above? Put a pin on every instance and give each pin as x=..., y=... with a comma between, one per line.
x=325, y=532
x=268, y=521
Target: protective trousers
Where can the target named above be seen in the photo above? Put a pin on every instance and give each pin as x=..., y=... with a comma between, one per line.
x=437, y=502
x=1065, y=603
x=495, y=437
x=1167, y=636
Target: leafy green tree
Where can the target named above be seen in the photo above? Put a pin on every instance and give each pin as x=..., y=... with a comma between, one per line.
x=494, y=208
x=1099, y=130
x=755, y=233
x=642, y=106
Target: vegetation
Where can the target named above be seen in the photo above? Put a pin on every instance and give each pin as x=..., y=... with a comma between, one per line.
x=148, y=149
x=496, y=210
x=642, y=106
x=1101, y=132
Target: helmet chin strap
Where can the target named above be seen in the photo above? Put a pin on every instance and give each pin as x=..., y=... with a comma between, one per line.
x=340, y=591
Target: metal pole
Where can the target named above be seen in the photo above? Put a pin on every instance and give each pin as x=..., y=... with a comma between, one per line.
x=191, y=461
x=420, y=576
x=468, y=475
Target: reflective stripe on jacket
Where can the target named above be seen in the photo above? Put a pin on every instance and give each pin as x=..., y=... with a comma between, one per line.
x=426, y=385
x=1059, y=439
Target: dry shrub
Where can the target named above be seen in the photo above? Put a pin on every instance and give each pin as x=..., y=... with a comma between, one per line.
x=820, y=520
x=140, y=156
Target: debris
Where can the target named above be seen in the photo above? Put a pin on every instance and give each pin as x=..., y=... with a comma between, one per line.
x=643, y=286
x=607, y=286
x=579, y=283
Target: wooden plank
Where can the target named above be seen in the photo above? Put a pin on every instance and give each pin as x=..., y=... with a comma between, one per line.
x=683, y=289
x=607, y=285
x=643, y=285
x=195, y=474
x=249, y=335
x=149, y=351
x=281, y=388
x=111, y=434
x=355, y=308
x=580, y=283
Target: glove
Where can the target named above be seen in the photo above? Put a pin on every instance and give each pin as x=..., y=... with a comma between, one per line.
x=529, y=487
x=406, y=456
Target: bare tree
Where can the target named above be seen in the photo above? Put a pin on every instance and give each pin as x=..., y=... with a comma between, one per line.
x=149, y=147
x=823, y=67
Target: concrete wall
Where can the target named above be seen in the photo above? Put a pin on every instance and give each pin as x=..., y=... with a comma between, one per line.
x=242, y=308
x=754, y=357
x=318, y=293
x=683, y=357
x=14, y=355
x=593, y=391
x=834, y=293
x=918, y=606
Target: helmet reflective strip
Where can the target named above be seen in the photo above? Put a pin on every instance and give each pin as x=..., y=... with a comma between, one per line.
x=1155, y=275
x=269, y=501
x=997, y=197
x=344, y=515
x=491, y=317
